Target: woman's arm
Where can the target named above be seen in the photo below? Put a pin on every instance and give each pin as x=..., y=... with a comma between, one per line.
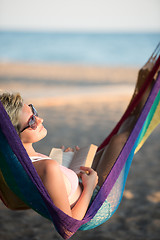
x=89, y=181
x=52, y=178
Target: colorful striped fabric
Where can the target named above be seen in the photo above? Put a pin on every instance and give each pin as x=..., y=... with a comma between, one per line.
x=21, y=187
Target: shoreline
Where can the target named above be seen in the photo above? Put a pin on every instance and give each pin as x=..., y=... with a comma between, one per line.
x=63, y=84
x=69, y=71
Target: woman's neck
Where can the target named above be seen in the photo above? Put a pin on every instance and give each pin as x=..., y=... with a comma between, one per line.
x=29, y=148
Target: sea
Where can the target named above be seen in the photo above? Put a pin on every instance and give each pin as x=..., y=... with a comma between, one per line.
x=84, y=48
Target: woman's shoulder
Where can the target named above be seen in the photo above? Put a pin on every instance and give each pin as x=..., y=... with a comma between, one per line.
x=46, y=166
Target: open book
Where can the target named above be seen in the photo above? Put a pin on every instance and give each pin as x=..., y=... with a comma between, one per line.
x=73, y=160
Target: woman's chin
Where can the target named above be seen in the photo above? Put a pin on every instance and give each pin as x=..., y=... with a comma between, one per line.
x=44, y=131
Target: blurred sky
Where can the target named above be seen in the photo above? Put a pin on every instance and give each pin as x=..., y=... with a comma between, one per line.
x=80, y=15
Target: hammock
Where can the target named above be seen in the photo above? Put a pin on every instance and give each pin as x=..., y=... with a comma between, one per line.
x=21, y=187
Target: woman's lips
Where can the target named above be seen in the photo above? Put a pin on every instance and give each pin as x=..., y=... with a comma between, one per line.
x=41, y=128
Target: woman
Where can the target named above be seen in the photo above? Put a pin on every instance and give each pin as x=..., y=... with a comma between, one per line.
x=62, y=184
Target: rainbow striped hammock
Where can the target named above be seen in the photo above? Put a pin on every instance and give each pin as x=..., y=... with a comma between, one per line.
x=21, y=187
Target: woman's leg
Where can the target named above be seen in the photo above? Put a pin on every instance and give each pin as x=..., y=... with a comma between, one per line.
x=109, y=156
x=106, y=158
x=97, y=158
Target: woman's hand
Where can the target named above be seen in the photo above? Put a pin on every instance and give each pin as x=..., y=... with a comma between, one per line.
x=69, y=149
x=89, y=177
x=89, y=180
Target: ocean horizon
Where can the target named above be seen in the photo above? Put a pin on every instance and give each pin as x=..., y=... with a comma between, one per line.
x=100, y=49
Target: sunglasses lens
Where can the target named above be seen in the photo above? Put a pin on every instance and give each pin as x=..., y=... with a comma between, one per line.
x=32, y=122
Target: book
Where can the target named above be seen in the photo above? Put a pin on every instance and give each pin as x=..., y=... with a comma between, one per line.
x=73, y=160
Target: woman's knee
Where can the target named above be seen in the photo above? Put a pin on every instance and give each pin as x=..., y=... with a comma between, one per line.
x=120, y=139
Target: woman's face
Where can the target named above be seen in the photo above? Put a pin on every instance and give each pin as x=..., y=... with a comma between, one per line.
x=30, y=135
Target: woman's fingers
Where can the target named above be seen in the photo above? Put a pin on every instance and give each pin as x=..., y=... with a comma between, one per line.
x=69, y=149
x=63, y=148
x=77, y=148
x=87, y=170
x=89, y=177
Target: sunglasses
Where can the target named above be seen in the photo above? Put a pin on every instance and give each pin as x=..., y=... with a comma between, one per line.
x=32, y=123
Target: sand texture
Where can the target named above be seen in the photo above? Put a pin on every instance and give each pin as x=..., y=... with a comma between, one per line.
x=80, y=105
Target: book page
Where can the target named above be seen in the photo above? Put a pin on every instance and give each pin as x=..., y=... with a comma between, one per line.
x=63, y=158
x=73, y=160
x=57, y=155
x=67, y=159
x=83, y=157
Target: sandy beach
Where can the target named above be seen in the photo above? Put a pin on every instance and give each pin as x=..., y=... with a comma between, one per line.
x=80, y=105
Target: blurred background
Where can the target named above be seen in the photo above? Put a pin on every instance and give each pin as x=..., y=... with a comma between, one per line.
x=77, y=62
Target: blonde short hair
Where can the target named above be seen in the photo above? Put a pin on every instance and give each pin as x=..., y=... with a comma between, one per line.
x=12, y=103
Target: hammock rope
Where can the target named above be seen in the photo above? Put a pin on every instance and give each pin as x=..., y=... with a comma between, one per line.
x=18, y=174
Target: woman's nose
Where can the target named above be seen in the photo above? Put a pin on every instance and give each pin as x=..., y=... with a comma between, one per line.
x=39, y=120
